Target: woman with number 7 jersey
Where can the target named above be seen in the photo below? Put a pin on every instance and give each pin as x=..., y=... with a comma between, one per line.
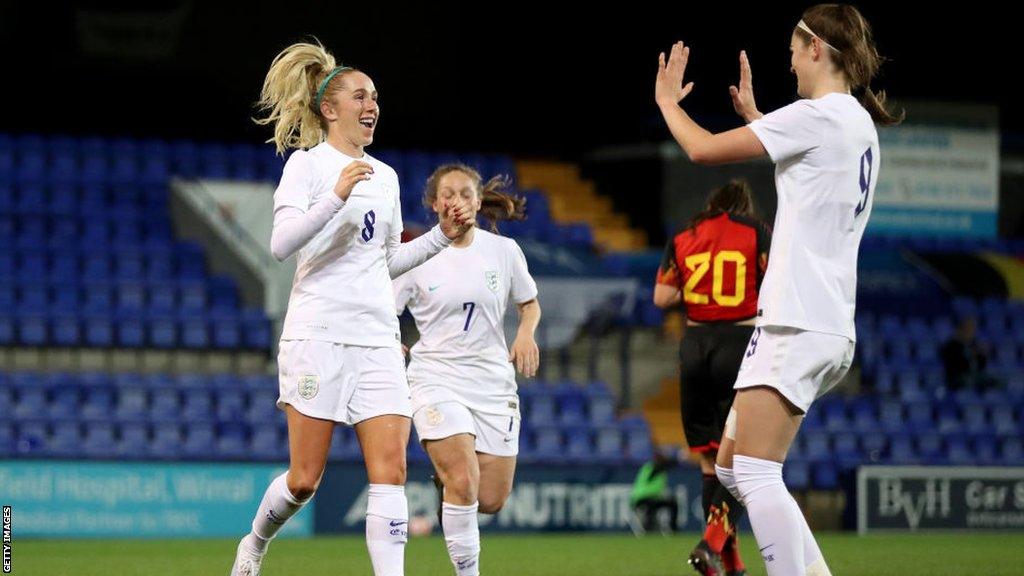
x=462, y=373
x=340, y=359
x=826, y=155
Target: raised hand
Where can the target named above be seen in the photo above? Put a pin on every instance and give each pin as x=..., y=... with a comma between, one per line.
x=351, y=175
x=668, y=87
x=743, y=95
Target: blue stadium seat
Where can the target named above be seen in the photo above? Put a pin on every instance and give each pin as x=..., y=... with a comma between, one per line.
x=874, y=445
x=540, y=407
x=601, y=408
x=985, y=448
x=947, y=419
x=99, y=440
x=134, y=441
x=1011, y=450
x=65, y=399
x=571, y=409
x=66, y=296
x=225, y=331
x=33, y=438
x=8, y=440
x=97, y=297
x=165, y=405
x=638, y=439
x=816, y=446
x=232, y=440
x=163, y=298
x=825, y=476
x=845, y=446
x=579, y=444
x=864, y=418
x=608, y=444
x=160, y=264
x=198, y=406
x=8, y=328
x=162, y=331
x=166, y=443
x=547, y=443
x=263, y=406
x=1003, y=419
x=200, y=441
x=98, y=403
x=231, y=405
x=834, y=414
x=269, y=442
x=131, y=297
x=797, y=474
x=930, y=448
x=254, y=382
x=98, y=331
x=256, y=330
x=192, y=295
x=33, y=297
x=975, y=418
x=415, y=452
x=919, y=416
x=344, y=445
x=132, y=404
x=131, y=331
x=31, y=402
x=958, y=451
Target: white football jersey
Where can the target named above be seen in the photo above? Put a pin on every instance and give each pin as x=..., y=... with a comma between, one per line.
x=826, y=165
x=342, y=288
x=458, y=299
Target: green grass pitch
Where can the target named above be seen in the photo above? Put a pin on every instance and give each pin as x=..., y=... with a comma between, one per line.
x=521, y=555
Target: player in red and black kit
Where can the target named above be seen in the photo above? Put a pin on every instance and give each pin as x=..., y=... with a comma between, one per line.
x=713, y=269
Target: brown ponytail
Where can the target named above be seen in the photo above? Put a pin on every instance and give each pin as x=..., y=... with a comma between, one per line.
x=843, y=27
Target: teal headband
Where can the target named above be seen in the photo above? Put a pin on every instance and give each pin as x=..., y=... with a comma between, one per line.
x=326, y=81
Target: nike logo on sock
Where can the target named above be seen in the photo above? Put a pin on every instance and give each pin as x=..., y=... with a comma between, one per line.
x=767, y=547
x=394, y=523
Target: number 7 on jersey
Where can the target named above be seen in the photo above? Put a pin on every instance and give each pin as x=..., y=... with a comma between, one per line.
x=471, y=306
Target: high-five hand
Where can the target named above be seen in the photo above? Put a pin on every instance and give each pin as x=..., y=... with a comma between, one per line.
x=668, y=88
x=743, y=96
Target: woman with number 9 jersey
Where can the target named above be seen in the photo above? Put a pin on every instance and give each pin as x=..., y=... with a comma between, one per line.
x=462, y=373
x=825, y=150
x=713, y=269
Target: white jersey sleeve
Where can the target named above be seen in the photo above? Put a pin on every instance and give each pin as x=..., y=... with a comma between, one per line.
x=405, y=257
x=524, y=288
x=790, y=131
x=296, y=182
x=295, y=221
x=405, y=291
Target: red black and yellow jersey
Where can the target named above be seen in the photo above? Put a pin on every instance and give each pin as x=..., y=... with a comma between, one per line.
x=718, y=265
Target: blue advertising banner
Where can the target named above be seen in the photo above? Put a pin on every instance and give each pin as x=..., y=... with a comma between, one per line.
x=111, y=499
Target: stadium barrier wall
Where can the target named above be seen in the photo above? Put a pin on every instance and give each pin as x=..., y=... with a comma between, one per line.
x=544, y=498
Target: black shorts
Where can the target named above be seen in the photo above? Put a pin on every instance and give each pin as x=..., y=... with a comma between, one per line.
x=709, y=359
